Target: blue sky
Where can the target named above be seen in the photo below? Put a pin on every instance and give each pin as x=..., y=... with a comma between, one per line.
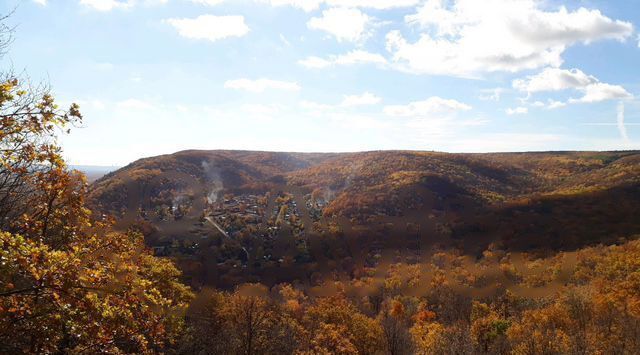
x=158, y=76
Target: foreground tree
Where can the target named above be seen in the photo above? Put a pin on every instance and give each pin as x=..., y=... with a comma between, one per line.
x=39, y=197
x=103, y=294
x=67, y=282
x=337, y=316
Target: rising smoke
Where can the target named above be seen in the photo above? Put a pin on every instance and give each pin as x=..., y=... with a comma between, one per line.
x=215, y=180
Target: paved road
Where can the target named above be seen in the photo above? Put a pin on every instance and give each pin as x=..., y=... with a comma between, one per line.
x=210, y=220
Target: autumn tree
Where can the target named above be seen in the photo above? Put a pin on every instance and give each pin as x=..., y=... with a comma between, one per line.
x=38, y=194
x=105, y=294
x=247, y=321
x=207, y=329
x=394, y=320
x=332, y=313
x=541, y=331
x=67, y=282
x=429, y=338
x=488, y=330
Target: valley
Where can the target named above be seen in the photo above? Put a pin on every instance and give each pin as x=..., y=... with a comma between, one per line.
x=230, y=217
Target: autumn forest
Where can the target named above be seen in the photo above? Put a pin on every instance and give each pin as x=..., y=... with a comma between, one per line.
x=247, y=252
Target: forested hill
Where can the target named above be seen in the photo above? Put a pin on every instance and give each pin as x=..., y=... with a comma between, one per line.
x=372, y=180
x=260, y=209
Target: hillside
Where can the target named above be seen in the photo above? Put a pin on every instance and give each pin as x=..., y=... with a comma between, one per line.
x=235, y=216
x=190, y=173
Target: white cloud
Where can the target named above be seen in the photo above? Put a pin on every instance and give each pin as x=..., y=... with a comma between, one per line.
x=208, y=2
x=432, y=106
x=311, y=5
x=366, y=98
x=346, y=24
x=555, y=104
x=351, y=58
x=106, y=5
x=348, y=101
x=261, y=85
x=306, y=5
x=373, y=4
x=601, y=92
x=517, y=111
x=209, y=27
x=41, y=2
x=491, y=94
x=470, y=37
x=555, y=79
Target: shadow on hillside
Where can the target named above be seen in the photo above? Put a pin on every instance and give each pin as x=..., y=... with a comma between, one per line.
x=558, y=223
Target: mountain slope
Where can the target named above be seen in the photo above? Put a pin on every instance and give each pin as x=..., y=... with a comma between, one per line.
x=230, y=216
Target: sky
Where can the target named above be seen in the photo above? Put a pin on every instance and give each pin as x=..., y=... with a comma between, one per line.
x=158, y=76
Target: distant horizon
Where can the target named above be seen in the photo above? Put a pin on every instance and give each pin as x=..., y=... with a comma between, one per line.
x=115, y=167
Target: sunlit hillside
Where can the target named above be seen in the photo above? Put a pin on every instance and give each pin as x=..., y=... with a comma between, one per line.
x=320, y=177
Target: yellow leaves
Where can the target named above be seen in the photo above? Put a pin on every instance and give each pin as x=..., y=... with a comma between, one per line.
x=365, y=332
x=439, y=279
x=87, y=283
x=333, y=339
x=488, y=330
x=6, y=89
x=479, y=311
x=429, y=338
x=392, y=284
x=542, y=331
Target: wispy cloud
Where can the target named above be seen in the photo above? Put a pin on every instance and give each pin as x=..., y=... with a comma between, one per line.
x=602, y=92
x=427, y=108
x=260, y=85
x=344, y=24
x=364, y=99
x=208, y=2
x=311, y=5
x=351, y=58
x=106, y=5
x=491, y=94
x=517, y=111
x=210, y=27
